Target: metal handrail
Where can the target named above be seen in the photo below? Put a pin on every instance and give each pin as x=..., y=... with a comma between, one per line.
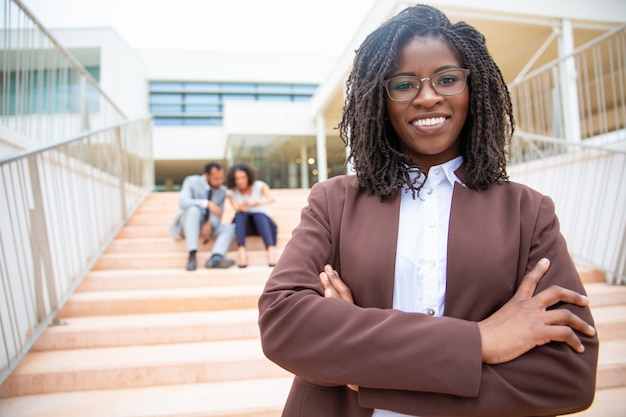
x=61, y=206
x=587, y=183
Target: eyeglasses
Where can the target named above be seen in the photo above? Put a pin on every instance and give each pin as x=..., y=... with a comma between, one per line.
x=445, y=83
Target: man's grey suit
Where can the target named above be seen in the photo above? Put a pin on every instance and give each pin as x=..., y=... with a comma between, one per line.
x=192, y=201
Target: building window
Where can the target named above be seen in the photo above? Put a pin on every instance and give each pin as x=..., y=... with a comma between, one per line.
x=202, y=104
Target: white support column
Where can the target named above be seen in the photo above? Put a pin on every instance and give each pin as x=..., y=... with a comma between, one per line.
x=304, y=165
x=568, y=79
x=322, y=159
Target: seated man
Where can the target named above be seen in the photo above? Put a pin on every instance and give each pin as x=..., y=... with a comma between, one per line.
x=201, y=205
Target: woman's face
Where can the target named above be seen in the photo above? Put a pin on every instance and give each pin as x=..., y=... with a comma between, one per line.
x=429, y=126
x=241, y=180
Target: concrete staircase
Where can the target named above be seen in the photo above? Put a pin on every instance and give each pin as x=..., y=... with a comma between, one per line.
x=142, y=337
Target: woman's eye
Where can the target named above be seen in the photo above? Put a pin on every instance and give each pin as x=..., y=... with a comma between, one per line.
x=402, y=86
x=447, y=80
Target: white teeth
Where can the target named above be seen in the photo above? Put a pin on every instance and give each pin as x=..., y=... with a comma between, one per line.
x=429, y=122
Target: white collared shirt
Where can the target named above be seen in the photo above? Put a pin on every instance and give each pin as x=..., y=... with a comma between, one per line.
x=421, y=258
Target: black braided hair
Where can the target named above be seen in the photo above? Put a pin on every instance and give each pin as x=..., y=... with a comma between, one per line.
x=365, y=126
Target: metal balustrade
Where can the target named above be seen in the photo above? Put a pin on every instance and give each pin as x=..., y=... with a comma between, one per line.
x=60, y=207
x=578, y=159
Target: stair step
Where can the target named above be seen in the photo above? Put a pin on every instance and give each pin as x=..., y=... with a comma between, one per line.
x=602, y=294
x=137, y=279
x=166, y=244
x=611, y=364
x=149, y=329
x=138, y=366
x=160, y=300
x=166, y=260
x=263, y=398
x=610, y=322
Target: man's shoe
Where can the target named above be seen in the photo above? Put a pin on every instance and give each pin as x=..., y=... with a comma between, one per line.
x=191, y=264
x=224, y=263
x=218, y=261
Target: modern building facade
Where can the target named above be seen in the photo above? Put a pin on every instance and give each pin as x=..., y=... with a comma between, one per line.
x=280, y=112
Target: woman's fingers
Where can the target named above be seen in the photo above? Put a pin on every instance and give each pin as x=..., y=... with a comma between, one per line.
x=555, y=294
x=333, y=285
x=529, y=283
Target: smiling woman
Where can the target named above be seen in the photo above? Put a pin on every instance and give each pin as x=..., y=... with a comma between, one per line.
x=420, y=286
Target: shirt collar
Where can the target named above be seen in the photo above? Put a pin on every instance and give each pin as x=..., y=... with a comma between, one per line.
x=448, y=169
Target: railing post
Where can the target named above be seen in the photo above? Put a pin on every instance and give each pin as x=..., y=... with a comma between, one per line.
x=569, y=84
x=121, y=170
x=40, y=246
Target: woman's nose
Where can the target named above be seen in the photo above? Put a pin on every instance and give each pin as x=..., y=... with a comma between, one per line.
x=427, y=96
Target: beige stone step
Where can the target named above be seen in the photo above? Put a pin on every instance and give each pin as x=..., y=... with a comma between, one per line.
x=263, y=398
x=131, y=232
x=610, y=322
x=612, y=364
x=139, y=366
x=160, y=300
x=166, y=244
x=137, y=279
x=164, y=217
x=602, y=294
x=167, y=260
x=149, y=329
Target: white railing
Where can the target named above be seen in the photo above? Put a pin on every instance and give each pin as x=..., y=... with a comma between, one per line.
x=578, y=159
x=60, y=206
x=591, y=80
x=588, y=186
x=46, y=95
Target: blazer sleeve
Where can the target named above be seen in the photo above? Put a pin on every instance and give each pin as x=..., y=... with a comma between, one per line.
x=548, y=380
x=331, y=342
x=188, y=195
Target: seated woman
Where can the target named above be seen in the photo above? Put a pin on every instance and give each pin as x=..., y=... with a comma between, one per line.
x=250, y=199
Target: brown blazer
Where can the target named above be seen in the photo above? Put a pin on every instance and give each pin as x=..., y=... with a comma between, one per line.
x=413, y=363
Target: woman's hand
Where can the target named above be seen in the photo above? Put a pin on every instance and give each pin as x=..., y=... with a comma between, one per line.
x=333, y=286
x=525, y=321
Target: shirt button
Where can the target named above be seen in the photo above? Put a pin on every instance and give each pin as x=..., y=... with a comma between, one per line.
x=431, y=264
x=429, y=191
x=437, y=171
x=431, y=312
x=431, y=223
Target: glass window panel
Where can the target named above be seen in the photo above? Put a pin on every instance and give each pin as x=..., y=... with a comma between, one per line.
x=168, y=121
x=201, y=87
x=274, y=88
x=94, y=72
x=166, y=86
x=197, y=121
x=304, y=89
x=244, y=97
x=203, y=108
x=166, y=98
x=275, y=97
x=165, y=108
x=238, y=87
x=202, y=98
x=301, y=98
